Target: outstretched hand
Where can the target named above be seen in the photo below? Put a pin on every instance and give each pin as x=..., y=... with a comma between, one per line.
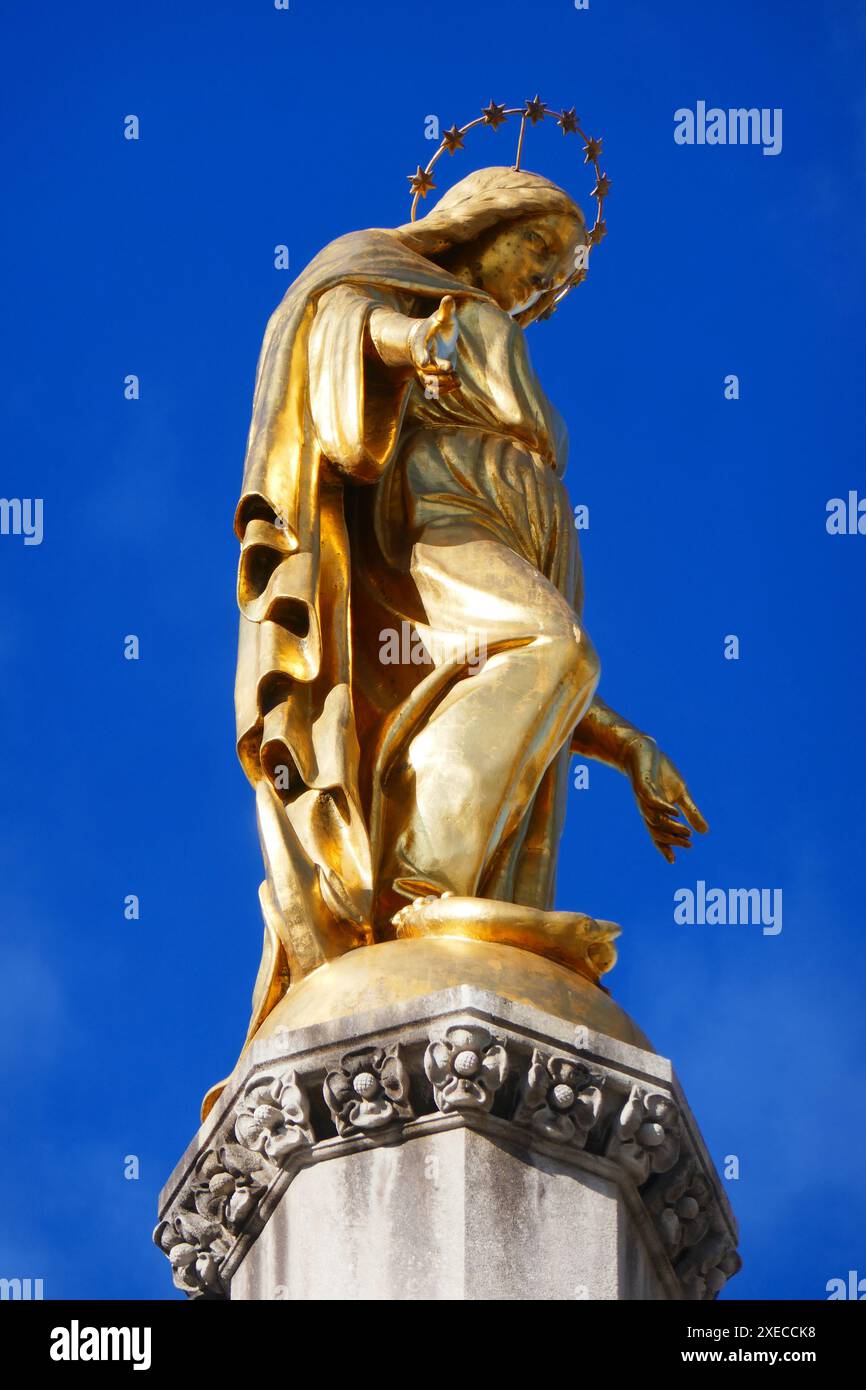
x=433, y=348
x=662, y=798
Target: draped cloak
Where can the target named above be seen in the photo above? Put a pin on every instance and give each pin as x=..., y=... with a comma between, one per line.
x=295, y=726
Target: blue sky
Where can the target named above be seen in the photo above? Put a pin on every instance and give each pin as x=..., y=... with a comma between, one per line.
x=707, y=518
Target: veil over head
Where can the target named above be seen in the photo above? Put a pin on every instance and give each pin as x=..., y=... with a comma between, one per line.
x=479, y=201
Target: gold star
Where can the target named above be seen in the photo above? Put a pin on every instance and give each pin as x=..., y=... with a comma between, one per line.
x=494, y=115
x=420, y=182
x=598, y=231
x=535, y=110
x=592, y=150
x=602, y=187
x=453, y=139
x=568, y=122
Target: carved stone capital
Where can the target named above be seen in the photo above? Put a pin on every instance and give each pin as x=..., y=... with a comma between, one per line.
x=610, y=1128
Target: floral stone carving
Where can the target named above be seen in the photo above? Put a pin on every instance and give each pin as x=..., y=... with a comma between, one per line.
x=466, y=1068
x=646, y=1134
x=560, y=1099
x=706, y=1268
x=680, y=1201
x=227, y=1187
x=273, y=1116
x=368, y=1091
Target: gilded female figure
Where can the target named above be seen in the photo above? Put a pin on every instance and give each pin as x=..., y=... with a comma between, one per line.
x=404, y=474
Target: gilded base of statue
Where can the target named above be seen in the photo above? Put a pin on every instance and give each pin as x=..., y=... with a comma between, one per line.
x=396, y=972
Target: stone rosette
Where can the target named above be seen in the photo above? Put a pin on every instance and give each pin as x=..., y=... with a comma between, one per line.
x=467, y=1067
x=368, y=1090
x=560, y=1098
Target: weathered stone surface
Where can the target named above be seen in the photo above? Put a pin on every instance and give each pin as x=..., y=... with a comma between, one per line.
x=458, y=1147
x=454, y=1214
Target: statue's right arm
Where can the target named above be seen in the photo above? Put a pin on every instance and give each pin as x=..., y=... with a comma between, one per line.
x=427, y=347
x=388, y=337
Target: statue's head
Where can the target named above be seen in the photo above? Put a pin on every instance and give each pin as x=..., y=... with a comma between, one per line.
x=509, y=232
x=521, y=262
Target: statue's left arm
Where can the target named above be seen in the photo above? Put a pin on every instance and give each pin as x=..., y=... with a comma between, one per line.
x=662, y=796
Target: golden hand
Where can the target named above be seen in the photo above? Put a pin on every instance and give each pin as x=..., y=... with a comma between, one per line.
x=662, y=797
x=433, y=348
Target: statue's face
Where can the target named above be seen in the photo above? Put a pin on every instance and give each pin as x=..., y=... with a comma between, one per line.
x=520, y=261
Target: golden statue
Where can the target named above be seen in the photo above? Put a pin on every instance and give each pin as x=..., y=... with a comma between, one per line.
x=413, y=671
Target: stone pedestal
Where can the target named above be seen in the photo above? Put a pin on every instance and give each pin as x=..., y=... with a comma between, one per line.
x=457, y=1146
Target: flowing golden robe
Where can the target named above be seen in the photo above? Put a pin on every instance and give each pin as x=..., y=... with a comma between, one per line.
x=369, y=510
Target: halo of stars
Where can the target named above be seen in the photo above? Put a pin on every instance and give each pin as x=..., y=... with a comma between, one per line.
x=532, y=112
